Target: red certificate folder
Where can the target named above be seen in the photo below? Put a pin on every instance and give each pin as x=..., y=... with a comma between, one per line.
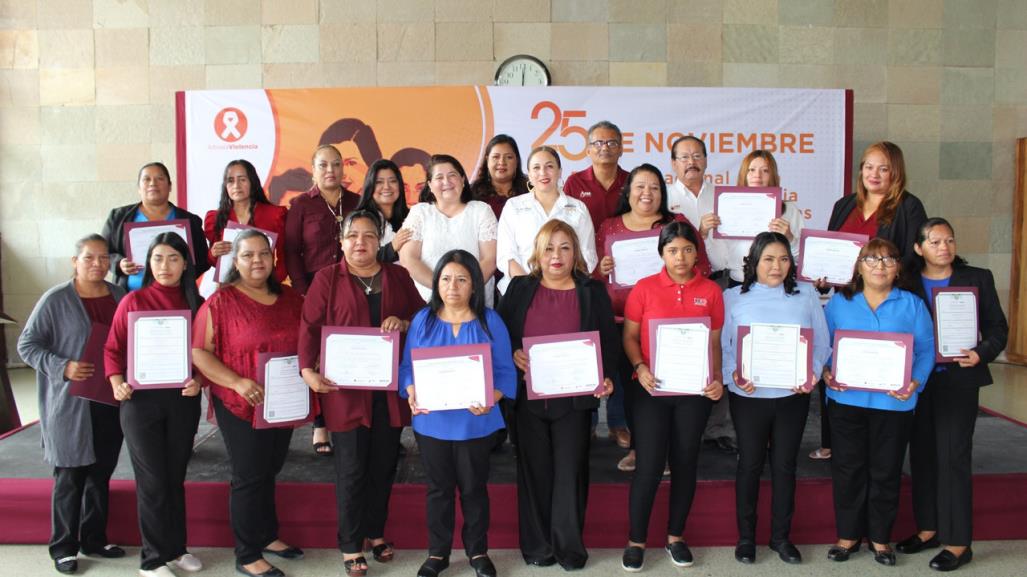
x=220, y=271
x=617, y=236
x=97, y=387
x=135, y=316
x=939, y=356
x=904, y=340
x=771, y=191
x=654, y=325
x=258, y=411
x=391, y=337
x=481, y=353
x=859, y=240
x=181, y=225
x=805, y=336
x=590, y=338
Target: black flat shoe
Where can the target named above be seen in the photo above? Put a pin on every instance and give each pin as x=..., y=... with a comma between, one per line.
x=745, y=552
x=915, y=544
x=287, y=553
x=947, y=560
x=787, y=552
x=483, y=566
x=840, y=554
x=542, y=562
x=632, y=559
x=107, y=552
x=272, y=572
x=679, y=553
x=66, y=565
x=884, y=556
x=432, y=567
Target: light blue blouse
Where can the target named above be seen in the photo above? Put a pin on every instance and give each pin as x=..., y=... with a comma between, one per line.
x=425, y=331
x=763, y=304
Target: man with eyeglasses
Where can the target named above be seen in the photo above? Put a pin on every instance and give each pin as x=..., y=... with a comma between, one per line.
x=599, y=186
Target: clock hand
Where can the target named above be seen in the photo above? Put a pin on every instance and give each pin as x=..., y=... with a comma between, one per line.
x=522, y=76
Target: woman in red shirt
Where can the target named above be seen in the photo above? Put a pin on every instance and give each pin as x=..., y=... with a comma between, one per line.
x=251, y=313
x=243, y=201
x=668, y=426
x=159, y=424
x=361, y=291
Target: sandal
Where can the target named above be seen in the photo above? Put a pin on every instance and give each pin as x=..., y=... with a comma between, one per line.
x=352, y=566
x=318, y=449
x=383, y=552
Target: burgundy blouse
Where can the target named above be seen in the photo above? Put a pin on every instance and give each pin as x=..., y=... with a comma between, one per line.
x=312, y=236
x=855, y=224
x=100, y=309
x=243, y=328
x=154, y=297
x=269, y=217
x=552, y=312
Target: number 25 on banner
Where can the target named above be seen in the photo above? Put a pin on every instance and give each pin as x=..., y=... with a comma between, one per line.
x=562, y=122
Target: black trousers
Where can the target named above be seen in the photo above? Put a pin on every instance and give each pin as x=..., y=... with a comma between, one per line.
x=940, y=458
x=365, y=468
x=81, y=494
x=256, y=456
x=825, y=419
x=666, y=428
x=552, y=485
x=866, y=469
x=779, y=422
x=159, y=428
x=450, y=465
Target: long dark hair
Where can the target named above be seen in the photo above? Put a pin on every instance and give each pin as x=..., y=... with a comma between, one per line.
x=750, y=262
x=225, y=204
x=437, y=159
x=367, y=202
x=482, y=187
x=916, y=263
x=187, y=284
x=624, y=207
x=477, y=304
x=677, y=229
x=876, y=246
x=233, y=276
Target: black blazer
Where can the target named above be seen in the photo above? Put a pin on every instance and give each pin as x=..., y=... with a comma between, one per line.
x=991, y=323
x=114, y=232
x=596, y=315
x=903, y=228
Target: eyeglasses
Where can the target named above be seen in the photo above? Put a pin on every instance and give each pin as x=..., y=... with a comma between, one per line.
x=611, y=144
x=696, y=157
x=873, y=261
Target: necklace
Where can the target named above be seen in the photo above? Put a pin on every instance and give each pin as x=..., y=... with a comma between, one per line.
x=336, y=212
x=368, y=286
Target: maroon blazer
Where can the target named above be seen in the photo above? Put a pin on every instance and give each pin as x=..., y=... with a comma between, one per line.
x=335, y=299
x=312, y=236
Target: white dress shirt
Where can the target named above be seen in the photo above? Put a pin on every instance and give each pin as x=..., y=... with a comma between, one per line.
x=520, y=222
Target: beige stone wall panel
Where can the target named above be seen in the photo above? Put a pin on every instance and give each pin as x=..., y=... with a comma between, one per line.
x=293, y=76
x=177, y=46
x=116, y=161
x=463, y=11
x=232, y=44
x=916, y=13
x=19, y=49
x=806, y=45
x=406, y=42
x=639, y=11
x=288, y=12
x=350, y=73
x=463, y=73
x=123, y=85
x=20, y=126
x=343, y=11
x=19, y=88
x=18, y=14
x=694, y=43
x=166, y=80
x=746, y=74
x=914, y=84
x=638, y=42
x=287, y=43
x=534, y=38
x=521, y=10
x=750, y=11
x=234, y=76
x=577, y=11
x=693, y=11
x=638, y=73
x=68, y=163
x=19, y=162
x=349, y=42
x=123, y=124
x=463, y=41
x=231, y=12
x=65, y=13
x=694, y=74
x=580, y=41
x=405, y=10
x=178, y=12
x=121, y=13
x=750, y=43
x=67, y=86
x=579, y=73
x=406, y=73
x=122, y=47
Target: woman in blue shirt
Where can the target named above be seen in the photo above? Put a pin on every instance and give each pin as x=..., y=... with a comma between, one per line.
x=871, y=428
x=769, y=294
x=455, y=445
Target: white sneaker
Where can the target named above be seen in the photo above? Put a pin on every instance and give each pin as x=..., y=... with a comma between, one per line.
x=161, y=571
x=188, y=562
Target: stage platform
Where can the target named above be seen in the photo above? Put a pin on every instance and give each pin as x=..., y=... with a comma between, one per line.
x=306, y=498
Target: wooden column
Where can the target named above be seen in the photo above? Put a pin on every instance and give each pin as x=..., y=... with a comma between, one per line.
x=1016, y=350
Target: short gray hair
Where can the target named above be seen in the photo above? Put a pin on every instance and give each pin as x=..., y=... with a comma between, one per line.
x=607, y=125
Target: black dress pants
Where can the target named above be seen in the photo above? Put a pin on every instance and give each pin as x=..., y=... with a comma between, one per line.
x=940, y=458
x=159, y=429
x=81, y=494
x=825, y=419
x=665, y=427
x=779, y=422
x=365, y=468
x=257, y=456
x=552, y=485
x=450, y=465
x=866, y=469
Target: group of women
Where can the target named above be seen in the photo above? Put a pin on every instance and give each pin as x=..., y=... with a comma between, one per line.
x=340, y=251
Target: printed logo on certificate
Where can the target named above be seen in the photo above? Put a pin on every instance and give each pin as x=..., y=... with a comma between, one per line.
x=955, y=321
x=778, y=356
x=679, y=350
x=360, y=357
x=567, y=365
x=873, y=361
x=159, y=349
x=453, y=377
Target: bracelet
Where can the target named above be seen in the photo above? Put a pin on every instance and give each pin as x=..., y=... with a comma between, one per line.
x=635, y=366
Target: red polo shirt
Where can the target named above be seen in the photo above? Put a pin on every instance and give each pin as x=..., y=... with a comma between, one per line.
x=659, y=297
x=601, y=202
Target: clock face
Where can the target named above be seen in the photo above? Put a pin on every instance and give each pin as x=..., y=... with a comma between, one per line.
x=522, y=70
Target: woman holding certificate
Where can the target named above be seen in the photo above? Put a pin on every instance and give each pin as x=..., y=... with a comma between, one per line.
x=445, y=377
x=160, y=405
x=770, y=400
x=556, y=298
x=243, y=202
x=361, y=291
x=677, y=366
x=383, y=193
x=873, y=385
x=965, y=305
x=81, y=436
x=251, y=313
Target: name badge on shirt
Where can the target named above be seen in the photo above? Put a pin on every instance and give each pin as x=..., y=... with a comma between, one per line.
x=699, y=302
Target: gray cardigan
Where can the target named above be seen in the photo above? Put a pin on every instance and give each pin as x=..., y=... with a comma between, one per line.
x=55, y=333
